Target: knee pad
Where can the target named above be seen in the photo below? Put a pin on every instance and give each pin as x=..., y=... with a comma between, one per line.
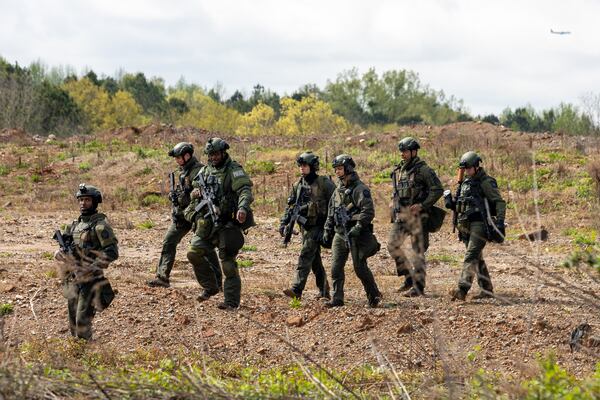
x=196, y=256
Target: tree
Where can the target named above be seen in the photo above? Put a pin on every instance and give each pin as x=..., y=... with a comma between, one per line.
x=148, y=94
x=58, y=112
x=259, y=121
x=309, y=116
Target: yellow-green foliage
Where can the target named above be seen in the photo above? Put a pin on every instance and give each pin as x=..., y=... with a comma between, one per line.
x=206, y=113
x=6, y=308
x=259, y=121
x=309, y=116
x=152, y=199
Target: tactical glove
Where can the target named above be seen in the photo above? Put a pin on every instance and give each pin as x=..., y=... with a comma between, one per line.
x=355, y=231
x=501, y=227
x=327, y=239
x=448, y=201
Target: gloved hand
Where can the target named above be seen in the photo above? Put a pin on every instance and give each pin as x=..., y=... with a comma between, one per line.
x=282, y=230
x=327, y=239
x=501, y=227
x=355, y=231
x=195, y=193
x=448, y=201
x=173, y=198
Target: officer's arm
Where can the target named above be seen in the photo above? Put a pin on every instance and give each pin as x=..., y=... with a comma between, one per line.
x=434, y=188
x=329, y=222
x=242, y=185
x=329, y=188
x=109, y=244
x=491, y=192
x=363, y=200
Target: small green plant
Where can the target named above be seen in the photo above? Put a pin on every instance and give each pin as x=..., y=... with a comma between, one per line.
x=371, y=142
x=295, y=303
x=152, y=199
x=582, y=237
x=6, y=308
x=260, y=167
x=47, y=255
x=61, y=156
x=51, y=273
x=84, y=166
x=248, y=247
x=244, y=263
x=35, y=178
x=4, y=170
x=381, y=177
x=147, y=224
x=146, y=171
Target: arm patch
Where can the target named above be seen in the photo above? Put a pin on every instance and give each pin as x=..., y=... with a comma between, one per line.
x=238, y=173
x=366, y=194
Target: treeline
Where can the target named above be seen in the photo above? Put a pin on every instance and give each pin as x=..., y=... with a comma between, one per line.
x=59, y=101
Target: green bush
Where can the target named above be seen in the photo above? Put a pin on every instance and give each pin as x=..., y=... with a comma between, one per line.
x=260, y=167
x=147, y=224
x=85, y=166
x=152, y=199
x=244, y=263
x=4, y=170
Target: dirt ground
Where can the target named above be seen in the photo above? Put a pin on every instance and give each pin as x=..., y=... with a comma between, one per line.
x=538, y=304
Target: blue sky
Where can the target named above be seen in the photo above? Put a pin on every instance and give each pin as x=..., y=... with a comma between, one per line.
x=490, y=54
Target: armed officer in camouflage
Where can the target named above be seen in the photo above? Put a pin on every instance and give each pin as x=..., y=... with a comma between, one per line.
x=349, y=230
x=310, y=196
x=220, y=212
x=188, y=167
x=88, y=246
x=480, y=212
x=416, y=190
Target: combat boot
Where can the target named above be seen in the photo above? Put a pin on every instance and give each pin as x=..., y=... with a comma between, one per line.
x=291, y=293
x=408, y=284
x=159, y=282
x=458, y=294
x=226, y=307
x=374, y=302
x=206, y=294
x=334, y=303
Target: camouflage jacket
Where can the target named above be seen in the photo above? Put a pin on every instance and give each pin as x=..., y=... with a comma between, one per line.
x=355, y=196
x=94, y=244
x=313, y=198
x=471, y=195
x=185, y=174
x=415, y=183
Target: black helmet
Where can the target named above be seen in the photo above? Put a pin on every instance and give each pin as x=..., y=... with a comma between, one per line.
x=215, y=144
x=345, y=160
x=91, y=191
x=310, y=159
x=469, y=159
x=181, y=148
x=408, y=143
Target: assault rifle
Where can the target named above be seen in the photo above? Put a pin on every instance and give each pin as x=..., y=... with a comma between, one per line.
x=208, y=199
x=65, y=242
x=294, y=215
x=173, y=190
x=341, y=217
x=459, y=181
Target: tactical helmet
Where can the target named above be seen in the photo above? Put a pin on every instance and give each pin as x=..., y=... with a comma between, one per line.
x=310, y=159
x=408, y=143
x=91, y=191
x=469, y=159
x=345, y=160
x=215, y=144
x=181, y=148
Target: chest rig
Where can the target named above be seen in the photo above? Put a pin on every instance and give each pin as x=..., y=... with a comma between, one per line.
x=407, y=189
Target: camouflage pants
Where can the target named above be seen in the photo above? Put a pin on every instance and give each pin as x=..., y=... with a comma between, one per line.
x=80, y=302
x=474, y=264
x=205, y=262
x=174, y=235
x=310, y=260
x=340, y=253
x=414, y=272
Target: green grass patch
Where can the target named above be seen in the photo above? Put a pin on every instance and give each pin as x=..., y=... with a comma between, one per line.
x=444, y=258
x=244, y=263
x=381, y=177
x=4, y=170
x=48, y=255
x=62, y=156
x=248, y=247
x=295, y=303
x=147, y=224
x=146, y=171
x=153, y=199
x=6, y=308
x=582, y=236
x=84, y=166
x=254, y=167
x=35, y=178
x=145, y=153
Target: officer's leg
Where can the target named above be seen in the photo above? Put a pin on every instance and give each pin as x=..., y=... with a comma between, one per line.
x=420, y=244
x=71, y=293
x=232, y=286
x=339, y=256
x=396, y=240
x=362, y=271
x=475, y=246
x=483, y=277
x=85, y=312
x=320, y=276
x=199, y=255
x=213, y=260
x=304, y=265
x=174, y=234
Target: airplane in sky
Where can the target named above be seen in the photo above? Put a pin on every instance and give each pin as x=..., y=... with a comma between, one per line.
x=560, y=32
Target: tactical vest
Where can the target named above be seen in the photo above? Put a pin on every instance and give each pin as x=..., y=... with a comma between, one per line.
x=185, y=177
x=85, y=238
x=314, y=196
x=408, y=190
x=470, y=201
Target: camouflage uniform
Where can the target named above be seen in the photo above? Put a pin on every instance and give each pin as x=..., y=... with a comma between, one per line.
x=416, y=183
x=233, y=191
x=84, y=285
x=179, y=226
x=473, y=228
x=355, y=197
x=317, y=191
